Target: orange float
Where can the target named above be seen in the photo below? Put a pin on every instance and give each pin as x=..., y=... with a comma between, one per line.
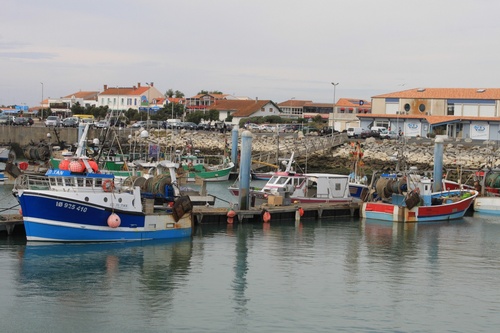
x=114, y=221
x=230, y=216
x=266, y=217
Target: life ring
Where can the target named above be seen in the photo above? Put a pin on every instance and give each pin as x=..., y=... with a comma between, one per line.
x=108, y=185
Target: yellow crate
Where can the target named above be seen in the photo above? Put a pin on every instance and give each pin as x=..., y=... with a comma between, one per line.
x=275, y=200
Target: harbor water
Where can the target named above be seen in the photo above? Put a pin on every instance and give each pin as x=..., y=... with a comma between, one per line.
x=329, y=275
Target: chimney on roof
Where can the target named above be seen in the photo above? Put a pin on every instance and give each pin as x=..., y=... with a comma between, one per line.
x=256, y=99
x=138, y=84
x=105, y=87
x=152, y=84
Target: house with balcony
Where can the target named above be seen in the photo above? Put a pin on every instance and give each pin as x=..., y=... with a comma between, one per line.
x=459, y=113
x=293, y=109
x=62, y=106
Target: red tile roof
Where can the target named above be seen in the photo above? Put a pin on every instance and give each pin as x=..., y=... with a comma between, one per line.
x=445, y=93
x=353, y=103
x=125, y=91
x=294, y=102
x=243, y=108
x=84, y=95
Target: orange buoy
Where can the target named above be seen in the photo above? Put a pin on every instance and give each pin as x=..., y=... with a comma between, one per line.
x=76, y=166
x=114, y=221
x=230, y=216
x=266, y=217
x=93, y=166
x=64, y=165
x=301, y=211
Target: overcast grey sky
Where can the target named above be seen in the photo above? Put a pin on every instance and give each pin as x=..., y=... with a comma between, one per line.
x=270, y=49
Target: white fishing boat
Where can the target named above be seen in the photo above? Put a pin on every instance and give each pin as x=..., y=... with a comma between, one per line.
x=302, y=188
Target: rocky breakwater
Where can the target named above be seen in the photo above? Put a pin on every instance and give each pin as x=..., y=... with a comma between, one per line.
x=377, y=154
x=211, y=143
x=385, y=154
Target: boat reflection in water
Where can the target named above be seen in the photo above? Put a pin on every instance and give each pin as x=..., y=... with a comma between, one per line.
x=86, y=272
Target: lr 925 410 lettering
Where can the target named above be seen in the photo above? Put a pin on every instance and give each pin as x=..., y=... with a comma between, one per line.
x=71, y=206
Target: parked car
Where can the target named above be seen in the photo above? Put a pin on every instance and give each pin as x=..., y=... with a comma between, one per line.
x=290, y=128
x=189, y=125
x=22, y=121
x=252, y=127
x=309, y=129
x=368, y=133
x=327, y=131
x=52, y=121
x=87, y=121
x=118, y=122
x=102, y=124
x=390, y=135
x=70, y=122
x=139, y=124
x=6, y=120
x=354, y=132
x=204, y=127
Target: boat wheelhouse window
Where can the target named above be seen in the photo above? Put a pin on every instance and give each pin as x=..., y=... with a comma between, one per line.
x=338, y=187
x=298, y=181
x=282, y=180
x=273, y=180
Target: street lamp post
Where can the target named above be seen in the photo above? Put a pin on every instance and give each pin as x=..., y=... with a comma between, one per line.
x=333, y=105
x=149, y=88
x=42, y=100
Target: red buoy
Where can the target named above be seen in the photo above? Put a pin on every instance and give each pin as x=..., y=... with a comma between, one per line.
x=230, y=216
x=266, y=217
x=64, y=165
x=23, y=165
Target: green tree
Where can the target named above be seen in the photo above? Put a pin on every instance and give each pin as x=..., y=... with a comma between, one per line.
x=212, y=115
x=206, y=92
x=318, y=119
x=195, y=117
x=77, y=108
x=169, y=93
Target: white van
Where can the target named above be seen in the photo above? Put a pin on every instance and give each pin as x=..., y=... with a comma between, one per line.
x=354, y=132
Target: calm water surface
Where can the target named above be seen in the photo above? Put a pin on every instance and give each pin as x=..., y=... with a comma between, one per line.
x=342, y=275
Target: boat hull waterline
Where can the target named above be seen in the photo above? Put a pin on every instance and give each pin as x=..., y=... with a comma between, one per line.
x=76, y=221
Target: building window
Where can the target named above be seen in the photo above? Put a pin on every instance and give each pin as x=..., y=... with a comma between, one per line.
x=407, y=107
x=451, y=109
x=262, y=109
x=421, y=107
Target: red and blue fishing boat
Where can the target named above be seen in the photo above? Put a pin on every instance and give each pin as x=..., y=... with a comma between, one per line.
x=409, y=198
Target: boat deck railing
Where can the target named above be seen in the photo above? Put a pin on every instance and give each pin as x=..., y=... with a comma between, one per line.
x=32, y=182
